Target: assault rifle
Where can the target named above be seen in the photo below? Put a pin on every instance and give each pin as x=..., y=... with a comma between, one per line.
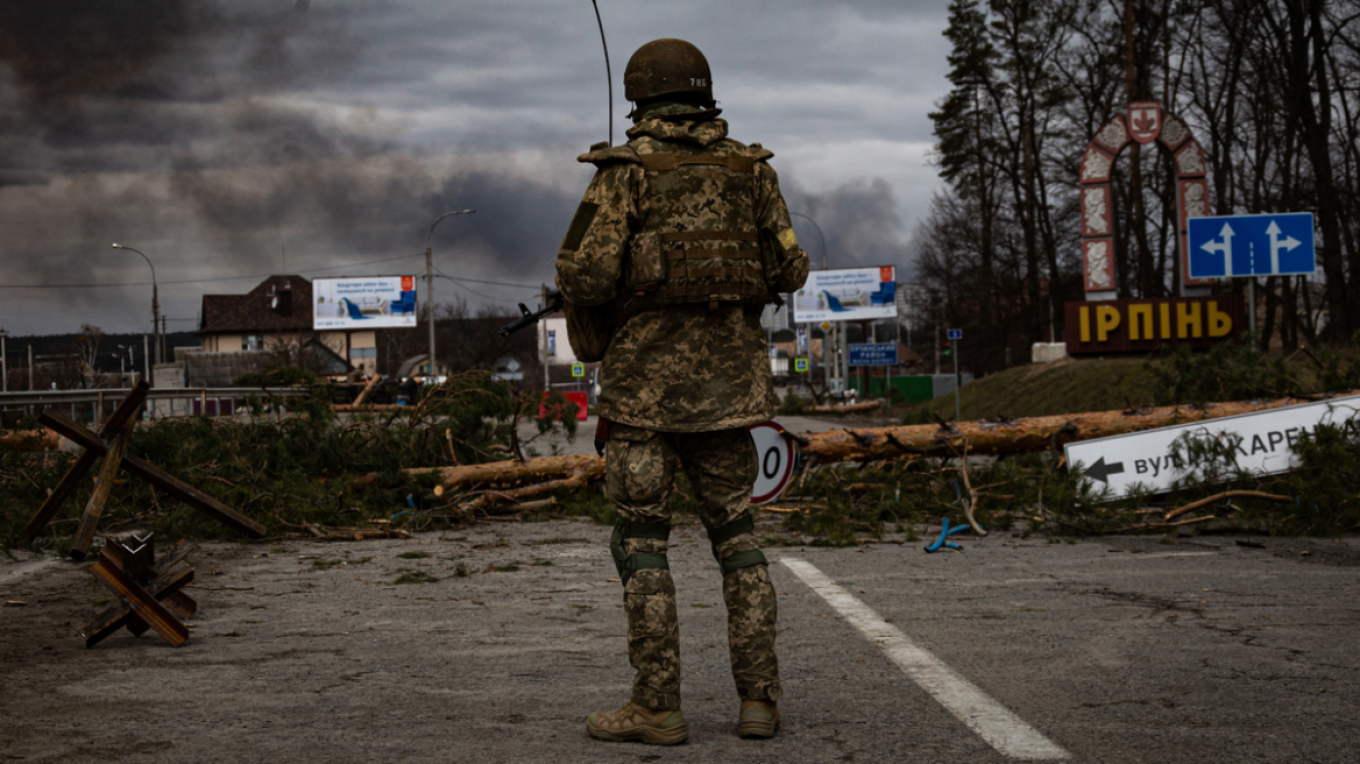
x=529, y=317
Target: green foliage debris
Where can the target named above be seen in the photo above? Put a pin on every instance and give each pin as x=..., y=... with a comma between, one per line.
x=293, y=471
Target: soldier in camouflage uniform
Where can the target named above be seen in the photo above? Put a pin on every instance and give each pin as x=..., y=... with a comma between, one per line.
x=680, y=241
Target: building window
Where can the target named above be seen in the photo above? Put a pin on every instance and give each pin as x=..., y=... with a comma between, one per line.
x=252, y=342
x=552, y=342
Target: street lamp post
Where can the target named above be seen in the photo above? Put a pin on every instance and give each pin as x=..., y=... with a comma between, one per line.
x=4, y=363
x=822, y=240
x=429, y=281
x=820, y=237
x=155, y=298
x=122, y=368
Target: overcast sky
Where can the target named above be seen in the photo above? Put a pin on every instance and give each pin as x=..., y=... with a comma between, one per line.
x=216, y=136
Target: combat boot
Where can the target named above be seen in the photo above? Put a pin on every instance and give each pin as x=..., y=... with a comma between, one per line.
x=633, y=722
x=759, y=718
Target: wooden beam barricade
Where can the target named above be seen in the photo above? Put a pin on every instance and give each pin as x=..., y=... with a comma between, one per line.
x=114, y=424
x=148, y=592
x=115, y=456
x=80, y=545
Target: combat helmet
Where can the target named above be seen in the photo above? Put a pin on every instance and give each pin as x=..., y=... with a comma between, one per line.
x=667, y=67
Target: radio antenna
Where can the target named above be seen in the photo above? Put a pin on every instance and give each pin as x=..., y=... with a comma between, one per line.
x=609, y=77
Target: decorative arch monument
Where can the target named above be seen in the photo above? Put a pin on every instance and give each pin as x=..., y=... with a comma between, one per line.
x=1104, y=324
x=1143, y=122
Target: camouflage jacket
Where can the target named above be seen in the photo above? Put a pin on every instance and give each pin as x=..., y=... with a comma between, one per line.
x=677, y=368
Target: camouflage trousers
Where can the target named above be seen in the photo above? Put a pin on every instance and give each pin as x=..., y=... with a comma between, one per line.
x=721, y=467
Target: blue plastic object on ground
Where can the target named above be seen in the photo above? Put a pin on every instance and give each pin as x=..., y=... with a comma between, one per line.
x=945, y=533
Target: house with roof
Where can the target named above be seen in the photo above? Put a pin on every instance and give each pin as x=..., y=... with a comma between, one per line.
x=276, y=316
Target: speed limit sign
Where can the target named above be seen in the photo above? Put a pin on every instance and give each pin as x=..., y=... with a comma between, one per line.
x=775, y=458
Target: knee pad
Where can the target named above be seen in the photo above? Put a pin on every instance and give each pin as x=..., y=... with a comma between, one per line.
x=627, y=563
x=736, y=560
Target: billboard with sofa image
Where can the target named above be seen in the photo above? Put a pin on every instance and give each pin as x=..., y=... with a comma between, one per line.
x=848, y=294
x=365, y=302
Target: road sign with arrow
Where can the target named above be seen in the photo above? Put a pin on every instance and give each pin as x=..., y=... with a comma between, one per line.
x=1251, y=245
x=1262, y=441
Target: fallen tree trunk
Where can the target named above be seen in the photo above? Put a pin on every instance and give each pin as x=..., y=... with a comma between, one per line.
x=515, y=471
x=31, y=440
x=358, y=404
x=846, y=408
x=341, y=408
x=1011, y=436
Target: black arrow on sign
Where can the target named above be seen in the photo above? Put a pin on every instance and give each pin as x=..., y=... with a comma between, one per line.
x=1101, y=471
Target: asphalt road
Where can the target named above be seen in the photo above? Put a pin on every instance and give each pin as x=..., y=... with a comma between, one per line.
x=1108, y=650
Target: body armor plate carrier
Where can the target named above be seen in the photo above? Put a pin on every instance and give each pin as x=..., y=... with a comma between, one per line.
x=699, y=234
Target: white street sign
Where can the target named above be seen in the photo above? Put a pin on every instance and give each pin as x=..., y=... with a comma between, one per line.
x=775, y=457
x=1262, y=439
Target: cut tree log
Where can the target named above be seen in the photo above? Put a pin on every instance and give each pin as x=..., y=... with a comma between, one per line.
x=847, y=408
x=1013, y=436
x=358, y=404
x=514, y=471
x=493, y=497
x=30, y=440
x=984, y=438
x=359, y=401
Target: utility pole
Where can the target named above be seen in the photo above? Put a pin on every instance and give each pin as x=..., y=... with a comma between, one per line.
x=958, y=408
x=146, y=359
x=4, y=363
x=429, y=307
x=30, y=366
x=543, y=334
x=937, y=348
x=845, y=356
x=826, y=360
x=429, y=281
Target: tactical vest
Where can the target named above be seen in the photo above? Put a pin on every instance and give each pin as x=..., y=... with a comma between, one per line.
x=698, y=241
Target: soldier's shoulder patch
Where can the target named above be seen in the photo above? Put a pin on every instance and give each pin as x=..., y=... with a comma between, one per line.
x=788, y=238
x=609, y=155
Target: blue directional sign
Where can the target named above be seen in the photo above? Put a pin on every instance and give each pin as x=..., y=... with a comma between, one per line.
x=954, y=334
x=873, y=354
x=1251, y=245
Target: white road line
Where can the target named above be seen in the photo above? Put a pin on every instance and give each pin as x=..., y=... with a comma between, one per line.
x=1003, y=730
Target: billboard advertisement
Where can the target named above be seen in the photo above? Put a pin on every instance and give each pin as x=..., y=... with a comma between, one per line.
x=365, y=302
x=850, y=294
